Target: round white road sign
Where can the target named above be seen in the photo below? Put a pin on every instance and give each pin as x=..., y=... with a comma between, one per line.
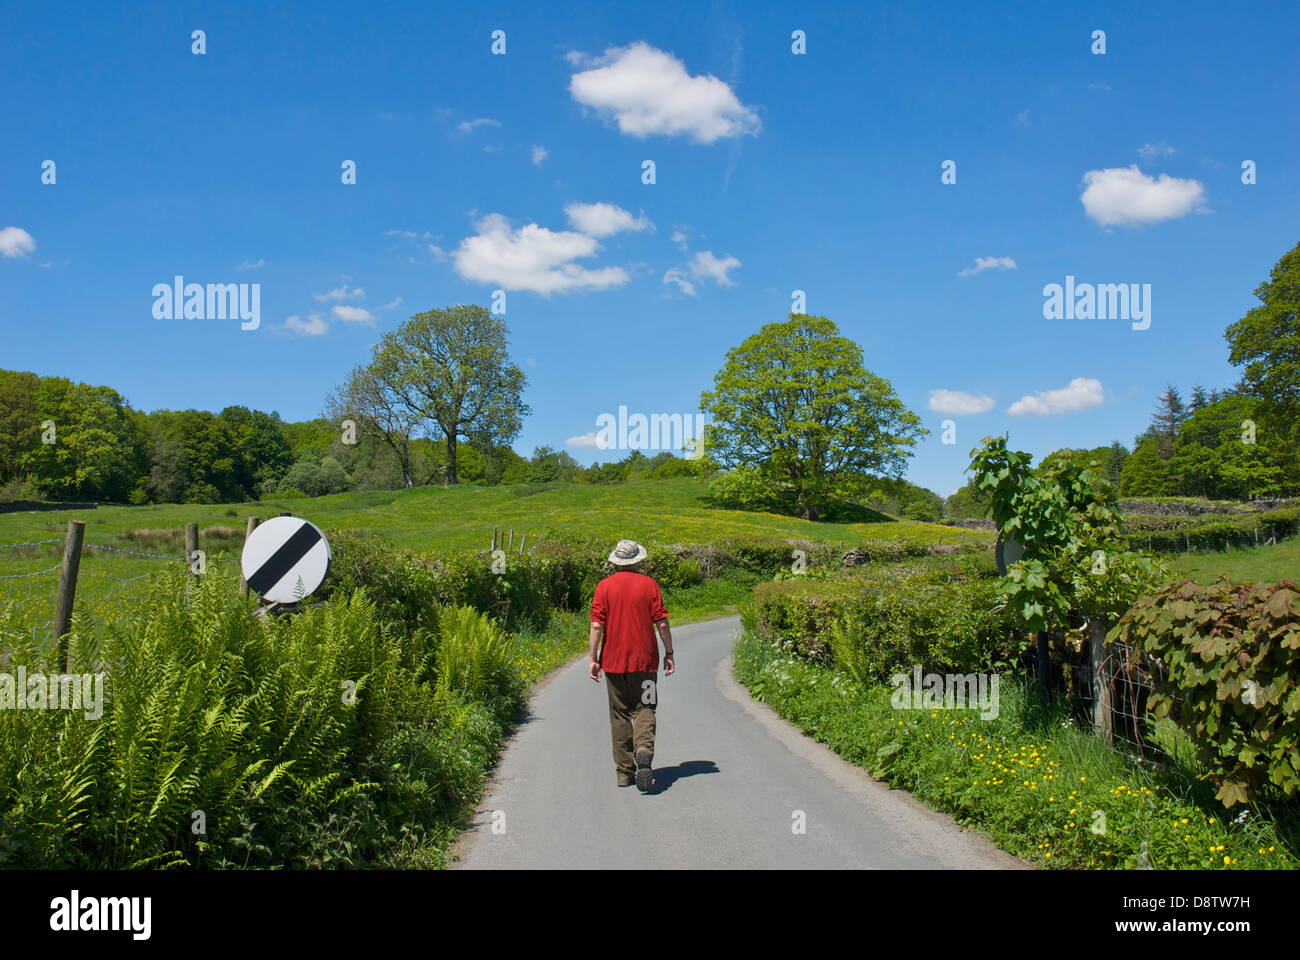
x=285, y=559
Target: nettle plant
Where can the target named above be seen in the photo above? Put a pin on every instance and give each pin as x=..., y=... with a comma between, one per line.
x=1076, y=562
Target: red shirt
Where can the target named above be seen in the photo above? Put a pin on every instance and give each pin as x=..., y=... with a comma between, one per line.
x=628, y=604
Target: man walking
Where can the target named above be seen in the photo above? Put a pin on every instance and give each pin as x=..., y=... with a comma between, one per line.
x=626, y=611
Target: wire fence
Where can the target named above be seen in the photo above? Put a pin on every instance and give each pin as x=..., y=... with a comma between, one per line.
x=26, y=589
x=1214, y=539
x=1133, y=726
x=1113, y=696
x=111, y=582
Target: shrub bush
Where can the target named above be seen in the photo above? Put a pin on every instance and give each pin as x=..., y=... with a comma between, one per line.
x=276, y=729
x=945, y=618
x=1218, y=534
x=971, y=767
x=1230, y=677
x=474, y=662
x=745, y=488
x=404, y=591
x=562, y=575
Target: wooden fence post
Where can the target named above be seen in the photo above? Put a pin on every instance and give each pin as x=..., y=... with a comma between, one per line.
x=68, y=588
x=1101, y=706
x=191, y=543
x=494, y=538
x=511, y=545
x=248, y=532
x=522, y=541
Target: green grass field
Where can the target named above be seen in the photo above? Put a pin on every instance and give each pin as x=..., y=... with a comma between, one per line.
x=419, y=519
x=655, y=511
x=1267, y=564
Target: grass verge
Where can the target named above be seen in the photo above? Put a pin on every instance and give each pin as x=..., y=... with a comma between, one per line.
x=1265, y=564
x=1036, y=785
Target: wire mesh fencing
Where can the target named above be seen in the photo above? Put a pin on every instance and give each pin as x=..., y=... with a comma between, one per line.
x=1215, y=540
x=1132, y=726
x=1112, y=693
x=29, y=581
x=111, y=582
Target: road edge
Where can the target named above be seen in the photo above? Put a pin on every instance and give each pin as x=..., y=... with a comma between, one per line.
x=911, y=816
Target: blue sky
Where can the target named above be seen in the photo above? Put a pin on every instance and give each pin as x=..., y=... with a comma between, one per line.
x=774, y=172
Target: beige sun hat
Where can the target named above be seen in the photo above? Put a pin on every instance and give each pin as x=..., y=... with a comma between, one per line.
x=627, y=553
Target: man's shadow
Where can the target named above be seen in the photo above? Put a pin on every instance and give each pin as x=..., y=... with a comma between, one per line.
x=665, y=777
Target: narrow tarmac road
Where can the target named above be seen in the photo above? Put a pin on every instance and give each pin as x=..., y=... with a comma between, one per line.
x=732, y=780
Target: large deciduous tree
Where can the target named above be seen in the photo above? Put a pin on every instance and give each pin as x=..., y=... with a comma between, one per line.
x=452, y=366
x=1266, y=341
x=795, y=403
x=374, y=395
x=95, y=452
x=266, y=452
x=20, y=427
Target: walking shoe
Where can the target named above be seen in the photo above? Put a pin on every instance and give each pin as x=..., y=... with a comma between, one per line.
x=625, y=781
x=644, y=775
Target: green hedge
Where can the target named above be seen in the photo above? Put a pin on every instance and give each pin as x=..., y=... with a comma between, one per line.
x=1220, y=534
x=879, y=621
x=556, y=574
x=1141, y=523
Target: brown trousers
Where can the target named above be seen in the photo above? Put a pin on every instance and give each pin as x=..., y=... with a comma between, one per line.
x=631, y=717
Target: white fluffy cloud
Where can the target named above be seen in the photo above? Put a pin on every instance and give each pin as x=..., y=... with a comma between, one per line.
x=585, y=440
x=1082, y=393
x=16, y=242
x=959, y=404
x=1149, y=151
x=678, y=276
x=250, y=265
x=340, y=293
x=313, y=326
x=1127, y=196
x=603, y=219
x=649, y=92
x=539, y=154
x=531, y=258
x=469, y=125
x=706, y=264
x=354, y=314
x=703, y=266
x=988, y=263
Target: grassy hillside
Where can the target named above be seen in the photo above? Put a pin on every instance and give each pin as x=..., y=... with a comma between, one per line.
x=424, y=518
x=1266, y=564
x=661, y=511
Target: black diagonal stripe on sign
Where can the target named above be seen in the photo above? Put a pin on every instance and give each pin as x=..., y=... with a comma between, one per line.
x=283, y=560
